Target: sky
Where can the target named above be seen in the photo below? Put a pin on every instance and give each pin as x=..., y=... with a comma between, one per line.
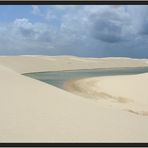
x=79, y=30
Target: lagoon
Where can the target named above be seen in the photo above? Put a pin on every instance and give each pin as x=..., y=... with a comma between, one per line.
x=58, y=78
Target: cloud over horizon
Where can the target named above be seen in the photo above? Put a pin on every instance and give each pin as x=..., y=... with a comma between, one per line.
x=82, y=30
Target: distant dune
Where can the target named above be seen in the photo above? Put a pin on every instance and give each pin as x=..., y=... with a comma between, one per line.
x=36, y=63
x=33, y=111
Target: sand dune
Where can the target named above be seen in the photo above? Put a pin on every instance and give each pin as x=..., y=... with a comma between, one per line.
x=37, y=63
x=32, y=111
x=125, y=92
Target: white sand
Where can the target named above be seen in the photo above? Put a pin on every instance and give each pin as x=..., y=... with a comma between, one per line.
x=33, y=111
x=125, y=92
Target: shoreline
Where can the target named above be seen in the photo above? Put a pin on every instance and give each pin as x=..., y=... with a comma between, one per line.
x=84, y=69
x=48, y=63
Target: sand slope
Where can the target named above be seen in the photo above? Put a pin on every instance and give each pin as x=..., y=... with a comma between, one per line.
x=125, y=92
x=32, y=111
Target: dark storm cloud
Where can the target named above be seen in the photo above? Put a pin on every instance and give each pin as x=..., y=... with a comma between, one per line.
x=107, y=31
x=109, y=26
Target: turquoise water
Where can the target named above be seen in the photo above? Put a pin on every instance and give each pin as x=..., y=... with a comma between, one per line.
x=59, y=78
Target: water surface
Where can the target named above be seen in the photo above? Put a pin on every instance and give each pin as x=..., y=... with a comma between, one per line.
x=58, y=78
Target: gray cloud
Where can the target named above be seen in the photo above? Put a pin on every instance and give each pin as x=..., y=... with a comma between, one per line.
x=83, y=31
x=107, y=31
x=110, y=26
x=138, y=16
